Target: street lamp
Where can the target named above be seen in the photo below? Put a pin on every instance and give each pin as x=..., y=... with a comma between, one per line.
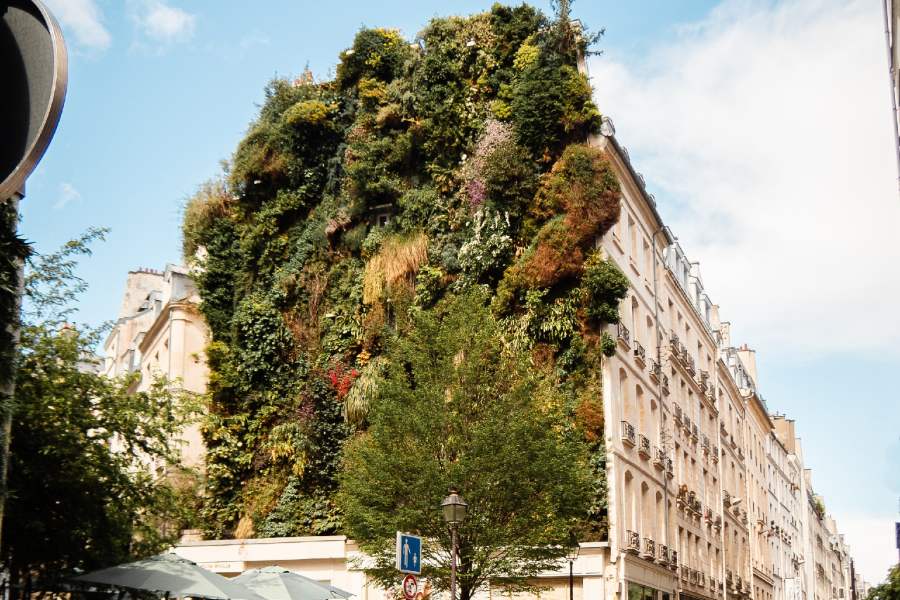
x=454, y=509
x=571, y=555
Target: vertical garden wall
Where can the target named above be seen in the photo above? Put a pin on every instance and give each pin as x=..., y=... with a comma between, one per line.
x=424, y=168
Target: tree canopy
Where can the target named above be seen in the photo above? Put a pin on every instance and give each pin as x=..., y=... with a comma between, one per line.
x=890, y=589
x=81, y=494
x=458, y=407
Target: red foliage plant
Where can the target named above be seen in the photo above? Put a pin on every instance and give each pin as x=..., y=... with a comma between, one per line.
x=341, y=378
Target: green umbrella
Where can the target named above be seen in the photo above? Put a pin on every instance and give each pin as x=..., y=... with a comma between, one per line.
x=171, y=575
x=277, y=583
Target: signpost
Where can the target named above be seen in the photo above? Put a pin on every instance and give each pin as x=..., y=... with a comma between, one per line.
x=409, y=561
x=410, y=587
x=409, y=553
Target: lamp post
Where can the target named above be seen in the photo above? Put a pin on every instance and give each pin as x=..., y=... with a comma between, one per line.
x=571, y=555
x=454, y=509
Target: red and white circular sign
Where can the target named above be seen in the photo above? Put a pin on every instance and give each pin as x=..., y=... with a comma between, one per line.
x=410, y=587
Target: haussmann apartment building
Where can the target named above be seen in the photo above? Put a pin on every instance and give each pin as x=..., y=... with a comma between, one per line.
x=709, y=497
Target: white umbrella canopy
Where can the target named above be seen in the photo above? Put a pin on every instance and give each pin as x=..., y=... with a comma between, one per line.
x=171, y=575
x=277, y=583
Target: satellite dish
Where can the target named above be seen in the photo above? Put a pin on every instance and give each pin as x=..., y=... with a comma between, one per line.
x=34, y=64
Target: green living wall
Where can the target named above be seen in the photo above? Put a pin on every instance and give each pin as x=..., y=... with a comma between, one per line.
x=422, y=169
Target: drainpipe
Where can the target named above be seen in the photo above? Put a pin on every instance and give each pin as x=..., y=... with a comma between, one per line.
x=659, y=342
x=719, y=462
x=750, y=522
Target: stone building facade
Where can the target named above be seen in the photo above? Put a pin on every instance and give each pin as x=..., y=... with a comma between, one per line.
x=160, y=333
x=709, y=498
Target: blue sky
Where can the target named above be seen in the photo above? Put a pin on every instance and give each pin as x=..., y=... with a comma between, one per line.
x=741, y=114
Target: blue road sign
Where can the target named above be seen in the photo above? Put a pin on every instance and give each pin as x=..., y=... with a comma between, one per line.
x=409, y=553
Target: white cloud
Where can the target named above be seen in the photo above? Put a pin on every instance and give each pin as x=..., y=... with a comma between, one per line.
x=164, y=23
x=871, y=542
x=67, y=194
x=84, y=19
x=765, y=132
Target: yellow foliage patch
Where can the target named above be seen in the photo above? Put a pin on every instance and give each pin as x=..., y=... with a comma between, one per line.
x=396, y=264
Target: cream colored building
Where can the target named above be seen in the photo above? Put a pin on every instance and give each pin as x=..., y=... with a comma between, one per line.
x=707, y=498
x=160, y=333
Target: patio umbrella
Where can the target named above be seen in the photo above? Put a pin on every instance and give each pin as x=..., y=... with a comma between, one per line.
x=277, y=583
x=171, y=575
x=342, y=593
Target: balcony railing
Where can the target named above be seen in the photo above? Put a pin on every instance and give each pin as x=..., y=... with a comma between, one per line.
x=670, y=468
x=639, y=353
x=632, y=541
x=715, y=453
x=655, y=370
x=643, y=446
x=662, y=554
x=705, y=443
x=659, y=458
x=673, y=560
x=665, y=384
x=695, y=432
x=685, y=573
x=676, y=413
x=686, y=423
x=628, y=435
x=623, y=333
x=649, y=549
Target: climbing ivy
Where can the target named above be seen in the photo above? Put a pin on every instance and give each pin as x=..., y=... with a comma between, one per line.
x=424, y=169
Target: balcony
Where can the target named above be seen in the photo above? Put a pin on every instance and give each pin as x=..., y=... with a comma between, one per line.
x=676, y=414
x=670, y=468
x=686, y=423
x=726, y=498
x=662, y=554
x=623, y=334
x=659, y=458
x=640, y=355
x=695, y=432
x=628, y=435
x=729, y=577
x=665, y=384
x=715, y=453
x=655, y=370
x=689, y=363
x=693, y=577
x=643, y=446
x=705, y=444
x=701, y=579
x=673, y=560
x=632, y=542
x=649, y=549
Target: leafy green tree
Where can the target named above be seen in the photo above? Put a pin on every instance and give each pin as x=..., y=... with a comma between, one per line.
x=458, y=408
x=890, y=589
x=81, y=494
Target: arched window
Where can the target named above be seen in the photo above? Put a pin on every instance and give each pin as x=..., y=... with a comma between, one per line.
x=627, y=413
x=660, y=535
x=641, y=410
x=628, y=502
x=646, y=511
